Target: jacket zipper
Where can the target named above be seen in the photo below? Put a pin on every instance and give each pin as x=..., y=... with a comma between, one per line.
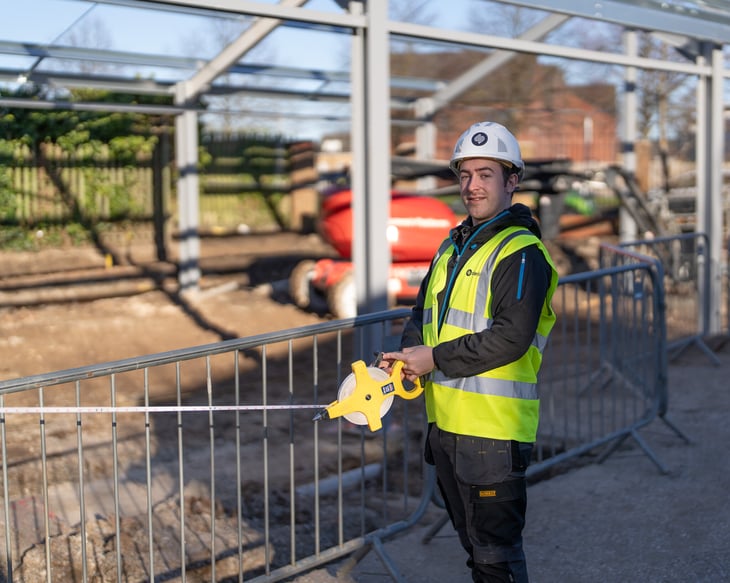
x=456, y=268
x=522, y=276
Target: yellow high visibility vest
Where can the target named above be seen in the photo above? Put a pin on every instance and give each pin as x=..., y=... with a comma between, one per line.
x=500, y=403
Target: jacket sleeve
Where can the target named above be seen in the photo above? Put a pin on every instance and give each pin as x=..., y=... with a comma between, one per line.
x=517, y=302
x=413, y=331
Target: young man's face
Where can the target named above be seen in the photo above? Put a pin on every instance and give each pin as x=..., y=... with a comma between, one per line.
x=483, y=190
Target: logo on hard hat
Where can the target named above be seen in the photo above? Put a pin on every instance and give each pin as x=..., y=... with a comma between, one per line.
x=479, y=139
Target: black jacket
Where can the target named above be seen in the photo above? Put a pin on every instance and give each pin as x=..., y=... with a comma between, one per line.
x=515, y=312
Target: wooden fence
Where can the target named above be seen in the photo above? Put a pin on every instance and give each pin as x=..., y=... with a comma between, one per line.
x=242, y=183
x=49, y=185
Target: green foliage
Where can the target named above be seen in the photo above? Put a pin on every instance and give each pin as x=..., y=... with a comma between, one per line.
x=76, y=234
x=93, y=141
x=43, y=236
x=205, y=158
x=8, y=199
x=15, y=239
x=73, y=127
x=127, y=148
x=74, y=140
x=106, y=199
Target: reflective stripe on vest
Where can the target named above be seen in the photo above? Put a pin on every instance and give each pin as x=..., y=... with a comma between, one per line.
x=487, y=386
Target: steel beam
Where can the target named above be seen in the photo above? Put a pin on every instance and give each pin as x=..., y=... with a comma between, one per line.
x=692, y=19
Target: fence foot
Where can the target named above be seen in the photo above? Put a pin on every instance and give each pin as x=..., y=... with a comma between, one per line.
x=640, y=440
x=387, y=563
x=676, y=430
x=350, y=563
x=376, y=545
x=633, y=432
x=433, y=531
x=677, y=350
x=648, y=451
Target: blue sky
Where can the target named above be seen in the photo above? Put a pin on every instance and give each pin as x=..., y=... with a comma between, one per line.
x=144, y=31
x=163, y=32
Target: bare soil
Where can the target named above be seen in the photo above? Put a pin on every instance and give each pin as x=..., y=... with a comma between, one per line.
x=62, y=308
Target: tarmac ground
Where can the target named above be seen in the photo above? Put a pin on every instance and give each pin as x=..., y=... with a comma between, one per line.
x=619, y=521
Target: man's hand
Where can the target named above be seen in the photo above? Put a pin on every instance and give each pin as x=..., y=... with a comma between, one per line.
x=417, y=361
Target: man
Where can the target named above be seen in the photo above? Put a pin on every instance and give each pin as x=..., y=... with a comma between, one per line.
x=478, y=330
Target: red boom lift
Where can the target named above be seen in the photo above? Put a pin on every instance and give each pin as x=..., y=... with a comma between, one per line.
x=416, y=227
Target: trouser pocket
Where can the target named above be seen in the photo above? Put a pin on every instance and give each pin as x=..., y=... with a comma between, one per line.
x=478, y=460
x=496, y=516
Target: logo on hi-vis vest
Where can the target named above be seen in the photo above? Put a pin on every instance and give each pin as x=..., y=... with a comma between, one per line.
x=470, y=272
x=487, y=493
x=387, y=389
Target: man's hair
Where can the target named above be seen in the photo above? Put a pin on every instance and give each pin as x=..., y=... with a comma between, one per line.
x=508, y=170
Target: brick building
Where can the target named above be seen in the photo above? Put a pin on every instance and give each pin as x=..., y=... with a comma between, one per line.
x=550, y=118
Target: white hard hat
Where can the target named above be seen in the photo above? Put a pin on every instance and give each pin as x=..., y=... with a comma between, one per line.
x=487, y=139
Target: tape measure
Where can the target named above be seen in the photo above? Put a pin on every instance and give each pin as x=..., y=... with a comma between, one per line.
x=363, y=398
x=366, y=395
x=153, y=408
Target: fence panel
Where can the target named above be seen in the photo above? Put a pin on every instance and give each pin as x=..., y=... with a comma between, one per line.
x=688, y=268
x=604, y=372
x=141, y=468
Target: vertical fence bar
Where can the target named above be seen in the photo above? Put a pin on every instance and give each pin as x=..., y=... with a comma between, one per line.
x=239, y=505
x=265, y=426
x=82, y=484
x=340, y=495
x=44, y=474
x=148, y=472
x=211, y=430
x=315, y=429
x=115, y=470
x=292, y=484
x=6, y=493
x=181, y=474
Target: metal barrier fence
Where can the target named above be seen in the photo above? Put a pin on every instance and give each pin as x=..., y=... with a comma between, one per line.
x=204, y=463
x=604, y=373
x=141, y=468
x=688, y=268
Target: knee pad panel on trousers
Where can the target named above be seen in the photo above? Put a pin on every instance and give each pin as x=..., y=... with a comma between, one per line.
x=497, y=517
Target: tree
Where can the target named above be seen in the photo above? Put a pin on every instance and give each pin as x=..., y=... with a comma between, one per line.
x=523, y=81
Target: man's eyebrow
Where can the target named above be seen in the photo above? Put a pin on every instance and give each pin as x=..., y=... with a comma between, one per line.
x=479, y=169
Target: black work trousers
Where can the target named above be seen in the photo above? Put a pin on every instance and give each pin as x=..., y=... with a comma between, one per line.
x=483, y=485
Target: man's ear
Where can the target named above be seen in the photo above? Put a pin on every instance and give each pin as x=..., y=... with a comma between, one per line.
x=512, y=182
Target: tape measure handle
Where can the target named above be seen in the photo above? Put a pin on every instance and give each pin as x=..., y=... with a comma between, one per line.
x=400, y=390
